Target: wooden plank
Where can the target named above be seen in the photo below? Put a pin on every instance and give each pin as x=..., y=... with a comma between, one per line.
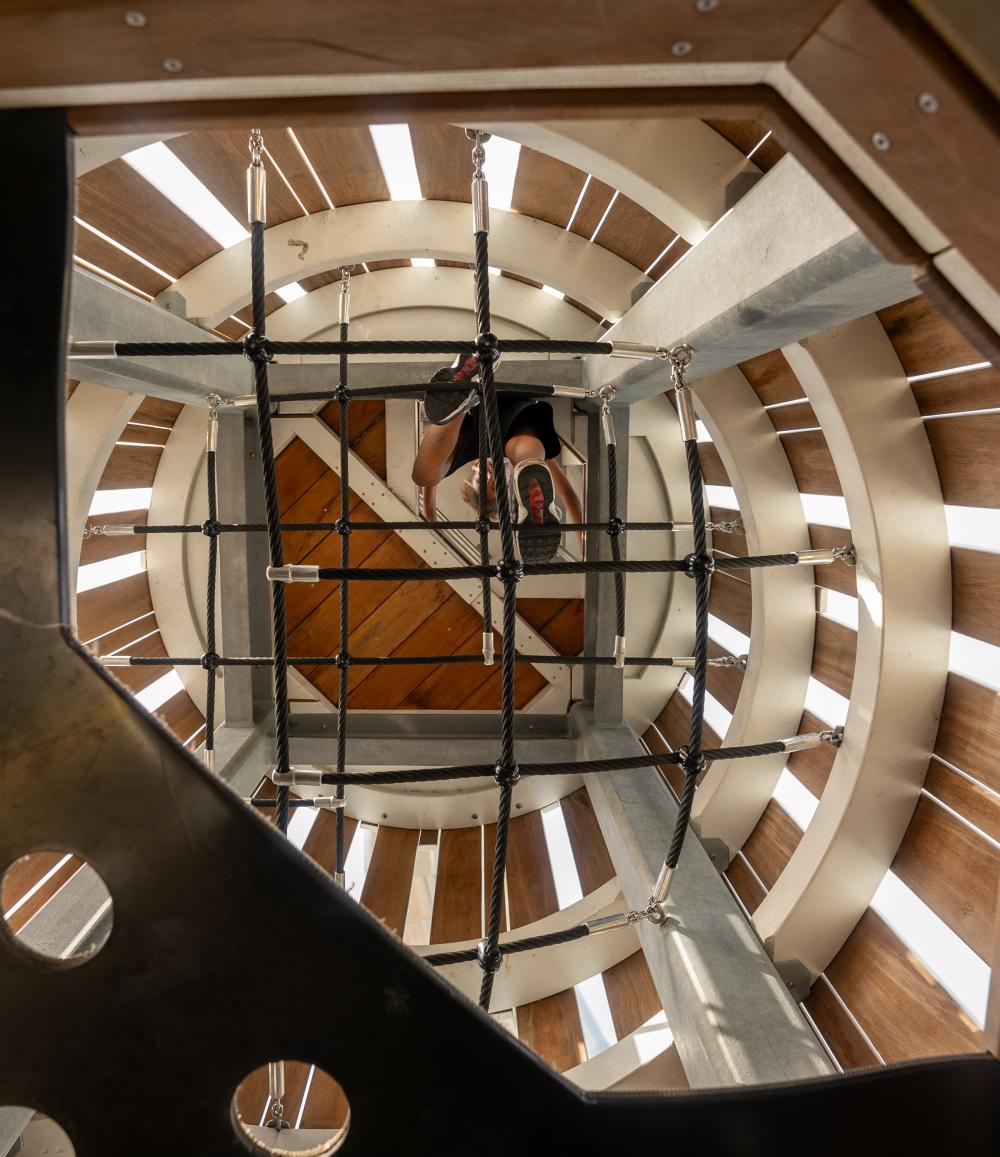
x=843, y=1037
x=102, y=609
x=590, y=852
x=954, y=871
x=447, y=686
x=725, y=683
x=743, y=882
x=730, y=543
x=678, y=247
x=157, y=412
x=346, y=162
x=674, y=724
x=546, y=188
x=564, y=633
x=530, y=887
x=798, y=416
x=386, y=893
x=487, y=696
x=811, y=462
x=905, y=1013
x=27, y=873
x=136, y=678
x=538, y=612
x=969, y=732
x=711, y=465
x=772, y=378
x=321, y=843
x=812, y=766
x=489, y=852
x=592, y=207
x=110, y=258
x=925, y=341
x=746, y=135
x=671, y=776
x=297, y=468
x=836, y=576
x=181, y=715
x=975, y=594
x=117, y=200
x=551, y=1028
x=320, y=503
x=833, y=655
x=121, y=638
x=326, y=1106
x=973, y=802
x=770, y=845
x=965, y=453
x=443, y=155
x=730, y=600
x=632, y=996
x=99, y=547
x=458, y=897
x=633, y=233
x=287, y=157
x=130, y=466
x=958, y=393
x=145, y=435
x=366, y=429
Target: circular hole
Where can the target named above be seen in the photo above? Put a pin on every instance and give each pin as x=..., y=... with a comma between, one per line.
x=56, y=906
x=39, y=1135
x=310, y=1106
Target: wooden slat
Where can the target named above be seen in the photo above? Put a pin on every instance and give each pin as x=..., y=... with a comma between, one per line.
x=530, y=886
x=833, y=655
x=130, y=466
x=367, y=432
x=745, y=884
x=136, y=678
x=965, y=453
x=287, y=157
x=487, y=697
x=125, y=206
x=489, y=852
x=346, y=162
x=811, y=462
x=297, y=467
x=123, y=637
x=812, y=766
x=975, y=594
x=25, y=874
x=145, y=435
x=799, y=416
x=590, y=852
x=952, y=870
x=837, y=576
x=674, y=723
x=903, y=1010
x=595, y=201
x=443, y=157
x=551, y=1027
x=772, y=378
x=842, y=1035
x=157, y=412
x=386, y=893
x=729, y=600
x=546, y=188
x=446, y=686
x=967, y=797
x=770, y=845
x=725, y=683
x=326, y=1106
x=730, y=543
x=458, y=890
x=959, y=393
x=925, y=341
x=181, y=715
x=655, y=742
x=321, y=843
x=632, y=996
x=99, y=547
x=678, y=248
x=109, y=257
x=104, y=608
x=969, y=732
x=711, y=465
x=633, y=233
x=746, y=135
x=558, y=621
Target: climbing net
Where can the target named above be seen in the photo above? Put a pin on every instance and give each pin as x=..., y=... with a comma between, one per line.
x=698, y=566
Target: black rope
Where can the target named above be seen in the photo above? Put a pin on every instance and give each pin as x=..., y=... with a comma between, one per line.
x=614, y=523
x=402, y=660
x=345, y=560
x=418, y=390
x=463, y=955
x=262, y=347
x=210, y=657
x=405, y=524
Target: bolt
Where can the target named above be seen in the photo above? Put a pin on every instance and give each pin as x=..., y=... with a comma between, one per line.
x=171, y=64
x=135, y=19
x=385, y=815
x=881, y=142
x=707, y=5
x=518, y=806
x=681, y=48
x=927, y=102
x=475, y=815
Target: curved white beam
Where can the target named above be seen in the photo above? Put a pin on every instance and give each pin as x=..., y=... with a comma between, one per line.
x=733, y=794
x=437, y=288
x=856, y=386
x=676, y=169
x=389, y=230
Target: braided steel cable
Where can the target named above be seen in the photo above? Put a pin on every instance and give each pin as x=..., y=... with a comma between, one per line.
x=484, y=528
x=464, y=955
x=418, y=390
x=268, y=348
x=210, y=658
x=349, y=659
x=614, y=531
x=345, y=559
x=409, y=524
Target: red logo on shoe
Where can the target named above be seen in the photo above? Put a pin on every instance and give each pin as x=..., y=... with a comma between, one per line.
x=536, y=500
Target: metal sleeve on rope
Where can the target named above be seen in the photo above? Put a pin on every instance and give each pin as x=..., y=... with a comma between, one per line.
x=92, y=349
x=296, y=776
x=619, y=652
x=480, y=205
x=631, y=349
x=488, y=653
x=685, y=411
x=296, y=572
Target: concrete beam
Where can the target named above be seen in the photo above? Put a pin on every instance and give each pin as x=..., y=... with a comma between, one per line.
x=734, y=1021
x=785, y=263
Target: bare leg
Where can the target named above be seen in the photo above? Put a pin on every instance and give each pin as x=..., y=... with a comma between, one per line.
x=524, y=446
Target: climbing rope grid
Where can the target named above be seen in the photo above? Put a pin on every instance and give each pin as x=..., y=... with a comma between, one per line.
x=698, y=566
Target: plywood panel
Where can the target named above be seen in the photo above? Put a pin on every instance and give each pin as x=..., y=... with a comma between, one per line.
x=730, y=601
x=130, y=466
x=771, y=844
x=902, y=1009
x=975, y=594
x=725, y=683
x=959, y=393
x=386, y=893
x=104, y=608
x=812, y=766
x=953, y=870
x=458, y=891
x=925, y=341
x=633, y=233
x=842, y=1035
x=798, y=416
x=969, y=732
x=632, y=995
x=551, y=1027
x=531, y=888
x=546, y=188
x=833, y=655
x=125, y=206
x=321, y=843
x=745, y=884
x=837, y=576
x=590, y=852
x=320, y=503
x=443, y=154
x=965, y=453
x=99, y=547
x=811, y=462
x=772, y=378
x=965, y=796
x=346, y=162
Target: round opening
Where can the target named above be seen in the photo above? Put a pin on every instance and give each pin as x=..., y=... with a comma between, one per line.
x=39, y=1135
x=291, y=1107
x=56, y=906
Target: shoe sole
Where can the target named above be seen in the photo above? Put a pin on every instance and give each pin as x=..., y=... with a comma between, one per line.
x=539, y=530
x=440, y=406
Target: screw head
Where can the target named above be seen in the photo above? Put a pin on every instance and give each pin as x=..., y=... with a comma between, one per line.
x=517, y=806
x=681, y=47
x=881, y=142
x=707, y=5
x=928, y=102
x=135, y=19
x=475, y=815
x=172, y=64
x=385, y=815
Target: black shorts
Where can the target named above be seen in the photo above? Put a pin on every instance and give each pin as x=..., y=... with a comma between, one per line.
x=517, y=416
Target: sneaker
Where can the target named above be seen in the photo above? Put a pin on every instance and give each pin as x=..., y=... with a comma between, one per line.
x=539, y=519
x=441, y=406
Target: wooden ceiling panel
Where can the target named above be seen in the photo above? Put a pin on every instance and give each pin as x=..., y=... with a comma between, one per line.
x=531, y=888
x=841, y=1034
x=811, y=462
x=837, y=576
x=551, y=1028
x=288, y=158
x=346, y=162
x=812, y=766
x=633, y=233
x=125, y=206
x=443, y=154
x=745, y=884
x=590, y=852
x=965, y=452
x=959, y=393
x=969, y=799
x=771, y=844
x=592, y=208
x=923, y=338
x=99, y=547
x=833, y=655
x=92, y=248
x=632, y=996
x=975, y=594
x=745, y=135
x=772, y=378
x=969, y=732
x=457, y=911
x=386, y=891
x=546, y=188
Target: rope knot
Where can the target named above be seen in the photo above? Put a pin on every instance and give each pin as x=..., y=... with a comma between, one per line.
x=487, y=347
x=510, y=571
x=257, y=348
x=342, y=526
x=691, y=763
x=698, y=564
x=506, y=775
x=210, y=661
x=342, y=394
x=482, y=526
x=343, y=661
x=210, y=527
x=616, y=526
x=490, y=962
